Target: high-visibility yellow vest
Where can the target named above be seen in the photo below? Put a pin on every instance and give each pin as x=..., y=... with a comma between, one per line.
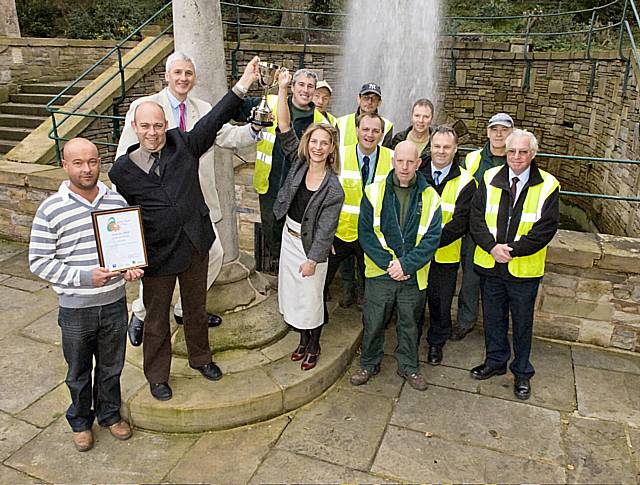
x=472, y=161
x=448, y=198
x=347, y=127
x=430, y=203
x=351, y=180
x=531, y=266
x=330, y=118
x=264, y=148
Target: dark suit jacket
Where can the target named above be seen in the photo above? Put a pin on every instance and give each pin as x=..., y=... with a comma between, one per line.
x=174, y=213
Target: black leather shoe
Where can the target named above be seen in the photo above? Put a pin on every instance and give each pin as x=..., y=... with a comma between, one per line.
x=522, y=389
x=136, y=326
x=483, y=372
x=459, y=333
x=434, y=356
x=161, y=391
x=212, y=319
x=211, y=371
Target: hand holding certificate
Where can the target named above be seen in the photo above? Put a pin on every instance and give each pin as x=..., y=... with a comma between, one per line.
x=120, y=239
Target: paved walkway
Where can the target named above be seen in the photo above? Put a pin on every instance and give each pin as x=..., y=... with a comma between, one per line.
x=582, y=424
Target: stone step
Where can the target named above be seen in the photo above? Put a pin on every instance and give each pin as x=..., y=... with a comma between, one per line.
x=22, y=121
x=258, y=384
x=30, y=98
x=24, y=109
x=53, y=88
x=6, y=145
x=11, y=133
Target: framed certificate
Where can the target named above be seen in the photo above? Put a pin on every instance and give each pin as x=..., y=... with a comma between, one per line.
x=120, y=238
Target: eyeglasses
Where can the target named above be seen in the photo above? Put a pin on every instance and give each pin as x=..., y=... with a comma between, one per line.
x=513, y=152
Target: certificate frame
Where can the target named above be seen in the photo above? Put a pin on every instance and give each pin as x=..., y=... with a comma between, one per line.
x=127, y=248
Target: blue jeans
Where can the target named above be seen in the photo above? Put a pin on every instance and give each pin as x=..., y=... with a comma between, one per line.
x=95, y=332
x=500, y=297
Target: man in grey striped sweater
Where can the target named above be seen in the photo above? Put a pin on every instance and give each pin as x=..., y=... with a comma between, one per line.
x=93, y=307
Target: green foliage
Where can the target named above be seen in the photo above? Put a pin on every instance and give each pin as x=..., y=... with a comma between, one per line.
x=547, y=32
x=326, y=6
x=79, y=19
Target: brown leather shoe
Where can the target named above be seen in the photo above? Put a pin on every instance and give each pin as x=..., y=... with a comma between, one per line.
x=83, y=440
x=121, y=430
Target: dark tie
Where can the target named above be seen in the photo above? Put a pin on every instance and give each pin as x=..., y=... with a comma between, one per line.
x=154, y=171
x=436, y=176
x=365, y=170
x=514, y=189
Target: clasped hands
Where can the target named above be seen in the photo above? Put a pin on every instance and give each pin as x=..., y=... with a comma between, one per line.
x=395, y=271
x=502, y=253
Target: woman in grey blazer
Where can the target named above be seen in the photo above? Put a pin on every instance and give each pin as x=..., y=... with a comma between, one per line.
x=310, y=200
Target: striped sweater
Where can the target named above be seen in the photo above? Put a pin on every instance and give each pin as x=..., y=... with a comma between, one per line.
x=63, y=251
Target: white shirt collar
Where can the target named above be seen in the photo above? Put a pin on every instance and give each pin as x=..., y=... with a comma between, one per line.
x=65, y=192
x=443, y=171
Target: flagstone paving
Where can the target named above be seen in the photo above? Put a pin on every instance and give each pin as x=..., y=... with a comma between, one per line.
x=581, y=425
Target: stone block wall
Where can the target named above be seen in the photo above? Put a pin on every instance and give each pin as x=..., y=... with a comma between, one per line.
x=559, y=108
x=30, y=60
x=591, y=291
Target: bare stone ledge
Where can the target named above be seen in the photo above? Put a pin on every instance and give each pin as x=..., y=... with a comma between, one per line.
x=574, y=249
x=620, y=253
x=258, y=383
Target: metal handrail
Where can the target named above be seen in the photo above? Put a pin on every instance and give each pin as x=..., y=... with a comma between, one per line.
x=53, y=133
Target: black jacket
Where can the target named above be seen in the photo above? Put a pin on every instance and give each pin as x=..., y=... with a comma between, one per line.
x=458, y=226
x=174, y=213
x=320, y=219
x=537, y=238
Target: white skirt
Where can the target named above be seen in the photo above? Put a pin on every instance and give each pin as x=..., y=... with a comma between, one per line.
x=300, y=299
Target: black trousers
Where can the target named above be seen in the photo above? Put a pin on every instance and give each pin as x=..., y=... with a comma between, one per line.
x=501, y=297
x=343, y=250
x=440, y=290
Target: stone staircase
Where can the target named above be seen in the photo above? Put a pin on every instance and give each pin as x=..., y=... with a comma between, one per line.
x=26, y=110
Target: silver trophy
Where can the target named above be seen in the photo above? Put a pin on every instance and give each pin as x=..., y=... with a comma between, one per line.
x=262, y=115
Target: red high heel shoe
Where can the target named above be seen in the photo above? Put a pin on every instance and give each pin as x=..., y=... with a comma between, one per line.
x=310, y=360
x=299, y=353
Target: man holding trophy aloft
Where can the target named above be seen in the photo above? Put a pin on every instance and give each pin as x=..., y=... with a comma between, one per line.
x=271, y=166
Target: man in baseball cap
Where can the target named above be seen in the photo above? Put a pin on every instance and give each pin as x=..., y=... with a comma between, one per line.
x=369, y=99
x=322, y=98
x=493, y=154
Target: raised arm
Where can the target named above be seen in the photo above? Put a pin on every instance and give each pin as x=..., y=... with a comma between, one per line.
x=288, y=138
x=203, y=135
x=284, y=116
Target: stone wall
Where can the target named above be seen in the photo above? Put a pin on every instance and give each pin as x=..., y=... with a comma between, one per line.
x=29, y=60
x=558, y=107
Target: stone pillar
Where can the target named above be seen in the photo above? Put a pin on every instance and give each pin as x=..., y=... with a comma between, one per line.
x=9, y=26
x=197, y=26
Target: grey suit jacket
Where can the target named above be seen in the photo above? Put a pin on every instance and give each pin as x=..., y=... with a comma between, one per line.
x=320, y=219
x=229, y=136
